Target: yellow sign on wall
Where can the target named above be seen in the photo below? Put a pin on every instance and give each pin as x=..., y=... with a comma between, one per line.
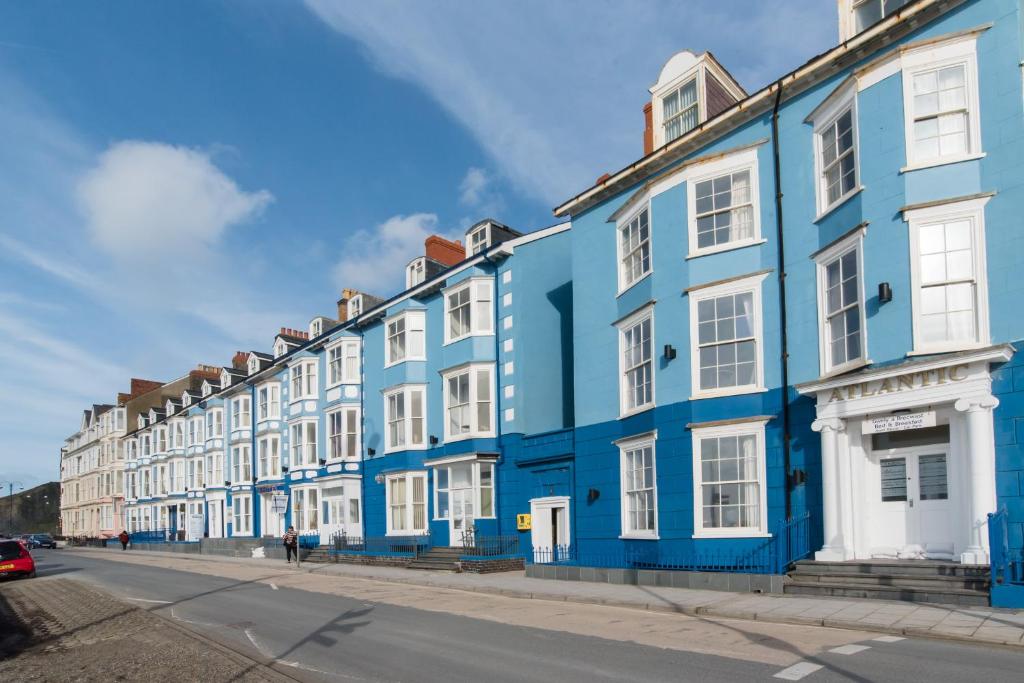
x=524, y=522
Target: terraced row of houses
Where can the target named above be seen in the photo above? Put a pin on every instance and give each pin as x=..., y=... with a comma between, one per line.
x=790, y=328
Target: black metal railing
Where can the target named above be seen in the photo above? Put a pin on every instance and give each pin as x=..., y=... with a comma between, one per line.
x=491, y=546
x=400, y=546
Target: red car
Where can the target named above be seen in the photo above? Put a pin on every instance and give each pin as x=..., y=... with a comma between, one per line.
x=16, y=560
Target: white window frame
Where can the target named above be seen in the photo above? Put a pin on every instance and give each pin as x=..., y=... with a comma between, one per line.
x=241, y=510
x=303, y=453
x=416, y=272
x=355, y=306
x=338, y=357
x=473, y=246
x=414, y=326
x=696, y=73
x=273, y=408
x=474, y=400
x=974, y=211
x=752, y=284
x=409, y=513
x=280, y=348
x=621, y=226
x=477, y=327
x=755, y=428
x=478, y=488
x=214, y=423
x=303, y=381
x=342, y=441
x=855, y=243
x=710, y=170
x=406, y=426
x=633, y=443
x=959, y=52
x=316, y=328
x=241, y=460
x=303, y=512
x=254, y=365
x=261, y=444
x=623, y=327
x=824, y=118
x=241, y=412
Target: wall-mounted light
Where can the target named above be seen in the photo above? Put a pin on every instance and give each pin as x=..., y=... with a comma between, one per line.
x=227, y=483
x=371, y=451
x=797, y=477
x=884, y=293
x=670, y=352
x=284, y=468
x=433, y=440
x=323, y=462
x=592, y=495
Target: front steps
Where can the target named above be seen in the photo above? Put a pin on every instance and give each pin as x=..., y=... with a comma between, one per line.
x=440, y=558
x=319, y=554
x=926, y=581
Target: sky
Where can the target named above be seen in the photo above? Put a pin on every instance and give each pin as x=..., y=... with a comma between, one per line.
x=180, y=179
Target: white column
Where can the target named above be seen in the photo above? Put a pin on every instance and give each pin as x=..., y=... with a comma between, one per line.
x=831, y=494
x=981, y=462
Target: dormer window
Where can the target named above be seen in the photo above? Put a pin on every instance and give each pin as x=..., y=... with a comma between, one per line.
x=415, y=272
x=316, y=328
x=479, y=239
x=207, y=389
x=680, y=110
x=254, y=365
x=280, y=348
x=355, y=306
x=225, y=379
x=186, y=400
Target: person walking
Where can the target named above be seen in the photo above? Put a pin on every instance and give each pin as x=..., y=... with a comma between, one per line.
x=291, y=544
x=123, y=537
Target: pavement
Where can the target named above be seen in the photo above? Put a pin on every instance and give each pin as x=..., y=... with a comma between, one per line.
x=991, y=626
x=326, y=625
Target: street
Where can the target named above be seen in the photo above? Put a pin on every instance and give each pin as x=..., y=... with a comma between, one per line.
x=352, y=631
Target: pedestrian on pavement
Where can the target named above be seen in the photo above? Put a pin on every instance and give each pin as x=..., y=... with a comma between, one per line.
x=291, y=544
x=123, y=537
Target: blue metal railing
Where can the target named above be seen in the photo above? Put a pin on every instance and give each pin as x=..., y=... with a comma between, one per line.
x=398, y=546
x=790, y=543
x=309, y=541
x=491, y=546
x=1007, y=566
x=160, y=536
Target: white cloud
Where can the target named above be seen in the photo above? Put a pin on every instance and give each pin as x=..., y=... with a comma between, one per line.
x=477, y=192
x=158, y=200
x=553, y=91
x=373, y=261
x=473, y=185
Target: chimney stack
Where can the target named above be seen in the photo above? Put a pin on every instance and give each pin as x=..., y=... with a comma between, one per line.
x=444, y=251
x=240, y=360
x=648, y=129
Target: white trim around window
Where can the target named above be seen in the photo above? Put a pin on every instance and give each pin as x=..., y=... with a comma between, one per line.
x=469, y=399
x=268, y=459
x=634, y=257
x=405, y=495
x=723, y=204
x=453, y=475
x=836, y=150
x=303, y=443
x=241, y=412
x=405, y=337
x=469, y=309
x=268, y=401
x=405, y=418
x=241, y=515
x=941, y=104
x=343, y=428
x=636, y=362
x=729, y=484
x=638, y=479
x=343, y=362
x=302, y=380
x=948, y=276
x=842, y=322
x=727, y=338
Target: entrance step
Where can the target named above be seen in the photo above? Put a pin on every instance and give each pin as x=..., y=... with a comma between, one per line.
x=439, y=558
x=909, y=581
x=319, y=554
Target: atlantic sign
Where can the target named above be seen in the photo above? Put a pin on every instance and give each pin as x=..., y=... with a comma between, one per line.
x=894, y=385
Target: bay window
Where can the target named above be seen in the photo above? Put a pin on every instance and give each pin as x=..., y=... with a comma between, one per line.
x=306, y=510
x=242, y=460
x=214, y=423
x=303, y=443
x=343, y=433
x=405, y=337
x=469, y=402
x=404, y=412
x=268, y=398
x=241, y=511
x=343, y=362
x=269, y=456
x=468, y=309
x=303, y=380
x=241, y=412
x=406, y=502
x=475, y=478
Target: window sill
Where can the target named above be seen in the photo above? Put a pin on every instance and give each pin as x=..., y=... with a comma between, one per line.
x=623, y=290
x=300, y=399
x=389, y=451
x=946, y=348
x=409, y=358
x=447, y=342
x=639, y=537
x=468, y=435
x=839, y=202
x=636, y=411
x=721, y=393
x=738, y=533
x=943, y=161
x=846, y=367
x=697, y=253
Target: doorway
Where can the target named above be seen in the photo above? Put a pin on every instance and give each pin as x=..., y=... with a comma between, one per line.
x=272, y=522
x=460, y=522
x=550, y=528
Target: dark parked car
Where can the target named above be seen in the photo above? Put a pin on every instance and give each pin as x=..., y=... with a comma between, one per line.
x=16, y=560
x=42, y=541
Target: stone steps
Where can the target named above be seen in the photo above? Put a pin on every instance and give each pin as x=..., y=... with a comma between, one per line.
x=909, y=581
x=440, y=559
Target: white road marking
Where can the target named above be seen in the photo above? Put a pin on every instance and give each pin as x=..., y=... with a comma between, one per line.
x=306, y=667
x=189, y=621
x=849, y=649
x=888, y=639
x=797, y=671
x=274, y=586
x=252, y=639
x=158, y=602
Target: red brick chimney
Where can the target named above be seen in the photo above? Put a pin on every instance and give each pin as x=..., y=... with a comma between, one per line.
x=444, y=251
x=142, y=386
x=289, y=332
x=209, y=372
x=603, y=177
x=240, y=361
x=648, y=129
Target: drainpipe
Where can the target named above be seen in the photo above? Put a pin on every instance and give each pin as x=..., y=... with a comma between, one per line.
x=783, y=337
x=497, y=376
x=362, y=437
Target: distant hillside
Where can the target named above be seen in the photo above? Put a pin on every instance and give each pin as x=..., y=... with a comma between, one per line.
x=35, y=511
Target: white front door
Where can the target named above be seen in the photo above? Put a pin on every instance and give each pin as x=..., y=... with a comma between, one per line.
x=549, y=521
x=912, y=517
x=461, y=518
x=334, y=514
x=272, y=522
x=216, y=511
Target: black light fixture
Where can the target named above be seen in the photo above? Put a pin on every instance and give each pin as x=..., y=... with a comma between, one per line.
x=797, y=477
x=884, y=293
x=433, y=440
x=284, y=468
x=227, y=483
x=371, y=451
x=592, y=495
x=323, y=461
x=670, y=352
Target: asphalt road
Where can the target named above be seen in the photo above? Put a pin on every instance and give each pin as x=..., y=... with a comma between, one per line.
x=327, y=637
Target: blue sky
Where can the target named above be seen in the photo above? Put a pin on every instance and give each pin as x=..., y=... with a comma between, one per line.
x=180, y=179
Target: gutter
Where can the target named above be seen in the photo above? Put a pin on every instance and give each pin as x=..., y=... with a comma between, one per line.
x=783, y=334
